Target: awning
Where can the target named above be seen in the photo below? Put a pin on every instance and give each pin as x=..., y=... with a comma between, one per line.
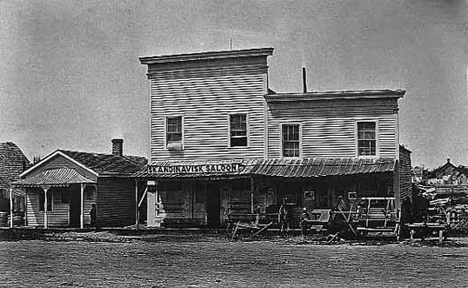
x=285, y=168
x=323, y=167
x=54, y=177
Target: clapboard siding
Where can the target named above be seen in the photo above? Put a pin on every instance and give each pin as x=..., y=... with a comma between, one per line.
x=329, y=127
x=33, y=215
x=58, y=217
x=208, y=72
x=205, y=104
x=115, y=202
x=59, y=161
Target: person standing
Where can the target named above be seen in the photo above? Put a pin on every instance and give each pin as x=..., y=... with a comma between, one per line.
x=283, y=218
x=92, y=213
x=304, y=222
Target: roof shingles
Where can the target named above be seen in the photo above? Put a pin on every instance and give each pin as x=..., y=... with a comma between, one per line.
x=108, y=164
x=12, y=163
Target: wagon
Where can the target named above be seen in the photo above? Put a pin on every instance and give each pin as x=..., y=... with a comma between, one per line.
x=368, y=215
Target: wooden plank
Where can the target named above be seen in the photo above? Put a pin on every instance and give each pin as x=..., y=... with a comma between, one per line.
x=82, y=187
x=383, y=229
x=11, y=207
x=262, y=229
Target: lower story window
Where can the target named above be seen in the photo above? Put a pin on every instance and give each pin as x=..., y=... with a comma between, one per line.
x=41, y=201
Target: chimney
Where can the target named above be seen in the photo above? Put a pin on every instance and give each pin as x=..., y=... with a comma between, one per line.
x=304, y=80
x=117, y=147
x=448, y=160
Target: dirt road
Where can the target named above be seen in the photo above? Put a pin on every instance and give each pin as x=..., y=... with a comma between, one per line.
x=220, y=263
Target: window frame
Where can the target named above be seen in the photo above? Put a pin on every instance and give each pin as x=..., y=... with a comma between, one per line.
x=89, y=193
x=377, y=146
x=281, y=125
x=247, y=129
x=51, y=202
x=182, y=123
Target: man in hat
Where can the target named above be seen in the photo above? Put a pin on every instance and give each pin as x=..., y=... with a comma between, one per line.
x=92, y=213
x=304, y=221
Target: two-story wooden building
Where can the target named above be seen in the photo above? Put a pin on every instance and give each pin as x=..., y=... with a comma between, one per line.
x=222, y=141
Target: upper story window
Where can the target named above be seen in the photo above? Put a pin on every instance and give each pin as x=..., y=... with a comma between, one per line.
x=367, y=138
x=174, y=133
x=238, y=130
x=291, y=140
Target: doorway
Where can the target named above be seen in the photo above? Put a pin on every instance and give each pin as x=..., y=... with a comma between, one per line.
x=75, y=207
x=213, y=204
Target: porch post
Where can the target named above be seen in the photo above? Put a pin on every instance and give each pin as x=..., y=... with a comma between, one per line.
x=251, y=195
x=11, y=207
x=137, y=220
x=46, y=188
x=82, y=206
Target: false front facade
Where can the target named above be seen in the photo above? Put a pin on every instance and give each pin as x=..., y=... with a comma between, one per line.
x=224, y=144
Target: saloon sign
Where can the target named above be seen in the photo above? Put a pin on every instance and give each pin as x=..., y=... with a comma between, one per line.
x=196, y=168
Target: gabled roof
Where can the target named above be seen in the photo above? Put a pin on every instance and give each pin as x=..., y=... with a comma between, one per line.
x=97, y=163
x=463, y=169
x=12, y=163
x=433, y=173
x=105, y=164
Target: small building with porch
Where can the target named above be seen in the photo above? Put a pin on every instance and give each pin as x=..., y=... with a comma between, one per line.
x=223, y=143
x=61, y=188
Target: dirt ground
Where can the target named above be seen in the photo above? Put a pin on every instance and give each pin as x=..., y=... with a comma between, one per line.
x=180, y=261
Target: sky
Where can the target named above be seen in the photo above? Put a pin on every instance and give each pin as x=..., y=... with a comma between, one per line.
x=70, y=76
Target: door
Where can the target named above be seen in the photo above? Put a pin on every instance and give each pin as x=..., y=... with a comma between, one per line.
x=75, y=207
x=199, y=202
x=213, y=205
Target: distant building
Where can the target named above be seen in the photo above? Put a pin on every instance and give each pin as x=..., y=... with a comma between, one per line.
x=61, y=188
x=447, y=180
x=12, y=163
x=223, y=142
x=448, y=174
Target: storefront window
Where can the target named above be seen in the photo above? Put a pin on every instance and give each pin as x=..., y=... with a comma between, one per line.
x=200, y=192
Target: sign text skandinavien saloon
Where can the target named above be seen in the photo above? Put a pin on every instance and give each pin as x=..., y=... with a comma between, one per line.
x=196, y=168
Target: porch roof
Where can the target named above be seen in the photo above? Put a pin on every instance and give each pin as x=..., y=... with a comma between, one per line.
x=286, y=168
x=54, y=177
x=323, y=167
